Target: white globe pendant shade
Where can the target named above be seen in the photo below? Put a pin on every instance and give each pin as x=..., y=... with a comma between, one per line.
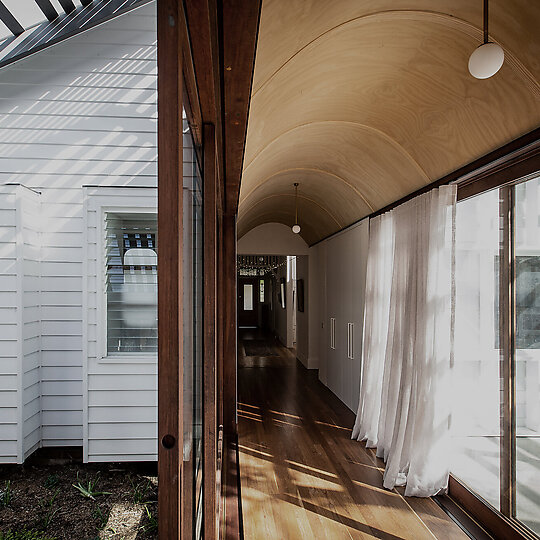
x=486, y=60
x=296, y=229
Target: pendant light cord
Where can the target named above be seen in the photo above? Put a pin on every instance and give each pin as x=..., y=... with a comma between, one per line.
x=486, y=35
x=296, y=203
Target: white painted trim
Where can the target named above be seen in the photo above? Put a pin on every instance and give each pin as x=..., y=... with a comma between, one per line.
x=19, y=266
x=85, y=328
x=128, y=359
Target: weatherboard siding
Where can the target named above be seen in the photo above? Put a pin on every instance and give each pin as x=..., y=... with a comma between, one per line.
x=83, y=112
x=120, y=406
x=9, y=328
x=20, y=413
x=30, y=320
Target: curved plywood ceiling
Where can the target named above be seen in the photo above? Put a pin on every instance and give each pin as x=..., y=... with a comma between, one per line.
x=362, y=103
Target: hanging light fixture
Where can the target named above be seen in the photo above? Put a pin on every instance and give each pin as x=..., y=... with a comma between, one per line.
x=296, y=228
x=487, y=59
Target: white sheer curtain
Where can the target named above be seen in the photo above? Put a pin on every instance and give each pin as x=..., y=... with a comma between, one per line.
x=377, y=304
x=404, y=407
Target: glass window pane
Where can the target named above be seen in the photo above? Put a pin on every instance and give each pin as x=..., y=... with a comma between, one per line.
x=131, y=283
x=192, y=490
x=261, y=291
x=476, y=420
x=527, y=271
x=248, y=297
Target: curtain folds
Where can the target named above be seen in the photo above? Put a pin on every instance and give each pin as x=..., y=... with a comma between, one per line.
x=404, y=406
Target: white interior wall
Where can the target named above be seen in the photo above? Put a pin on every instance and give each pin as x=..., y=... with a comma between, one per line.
x=279, y=315
x=82, y=112
x=272, y=239
x=303, y=351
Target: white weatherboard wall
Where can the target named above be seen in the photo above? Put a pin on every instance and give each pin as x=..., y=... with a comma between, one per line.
x=338, y=276
x=20, y=392
x=29, y=246
x=120, y=405
x=9, y=329
x=82, y=112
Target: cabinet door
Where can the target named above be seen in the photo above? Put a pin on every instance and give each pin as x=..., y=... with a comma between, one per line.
x=333, y=315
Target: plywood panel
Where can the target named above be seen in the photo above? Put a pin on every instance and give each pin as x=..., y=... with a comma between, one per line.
x=400, y=77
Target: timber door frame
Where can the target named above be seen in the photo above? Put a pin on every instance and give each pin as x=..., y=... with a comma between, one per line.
x=196, y=40
x=170, y=297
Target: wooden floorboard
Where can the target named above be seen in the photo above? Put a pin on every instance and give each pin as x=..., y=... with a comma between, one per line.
x=301, y=474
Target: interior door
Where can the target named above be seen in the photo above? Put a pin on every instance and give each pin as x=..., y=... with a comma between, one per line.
x=248, y=302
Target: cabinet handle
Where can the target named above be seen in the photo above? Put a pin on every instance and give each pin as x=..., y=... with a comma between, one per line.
x=350, y=333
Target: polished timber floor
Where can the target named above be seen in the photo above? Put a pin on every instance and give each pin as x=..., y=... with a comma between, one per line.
x=301, y=475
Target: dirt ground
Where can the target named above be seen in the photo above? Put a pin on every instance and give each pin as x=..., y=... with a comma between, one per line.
x=38, y=501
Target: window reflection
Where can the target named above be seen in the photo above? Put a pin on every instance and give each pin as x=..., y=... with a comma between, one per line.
x=527, y=272
x=476, y=420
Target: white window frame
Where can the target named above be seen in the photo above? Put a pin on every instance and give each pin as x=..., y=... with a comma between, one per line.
x=103, y=354
x=100, y=200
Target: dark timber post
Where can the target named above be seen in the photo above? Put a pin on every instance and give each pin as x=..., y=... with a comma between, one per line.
x=210, y=425
x=507, y=354
x=170, y=294
x=229, y=315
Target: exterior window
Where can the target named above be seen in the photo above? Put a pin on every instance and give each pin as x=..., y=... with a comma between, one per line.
x=131, y=283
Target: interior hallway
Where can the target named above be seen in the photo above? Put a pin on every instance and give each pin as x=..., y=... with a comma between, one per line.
x=301, y=475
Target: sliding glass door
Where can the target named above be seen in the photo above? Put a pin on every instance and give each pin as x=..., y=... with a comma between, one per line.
x=476, y=418
x=193, y=336
x=527, y=352
x=496, y=416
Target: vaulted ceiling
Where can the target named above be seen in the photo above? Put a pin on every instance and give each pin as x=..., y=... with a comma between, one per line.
x=364, y=102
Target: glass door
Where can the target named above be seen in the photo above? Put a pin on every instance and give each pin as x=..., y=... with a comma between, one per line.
x=527, y=353
x=496, y=414
x=193, y=338
x=476, y=414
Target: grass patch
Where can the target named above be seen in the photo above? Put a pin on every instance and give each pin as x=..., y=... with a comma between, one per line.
x=6, y=495
x=25, y=534
x=89, y=488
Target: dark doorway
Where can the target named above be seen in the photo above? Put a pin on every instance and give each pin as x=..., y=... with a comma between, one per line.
x=248, y=302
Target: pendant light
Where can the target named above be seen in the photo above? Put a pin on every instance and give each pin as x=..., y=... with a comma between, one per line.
x=296, y=228
x=487, y=59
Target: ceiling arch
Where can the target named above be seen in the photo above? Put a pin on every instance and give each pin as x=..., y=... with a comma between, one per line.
x=380, y=98
x=302, y=172
x=414, y=15
x=288, y=27
x=315, y=221
x=360, y=126
x=321, y=186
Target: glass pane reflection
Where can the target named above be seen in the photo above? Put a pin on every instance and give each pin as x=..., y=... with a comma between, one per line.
x=527, y=271
x=476, y=420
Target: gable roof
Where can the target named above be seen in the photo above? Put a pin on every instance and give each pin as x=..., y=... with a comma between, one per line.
x=57, y=25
